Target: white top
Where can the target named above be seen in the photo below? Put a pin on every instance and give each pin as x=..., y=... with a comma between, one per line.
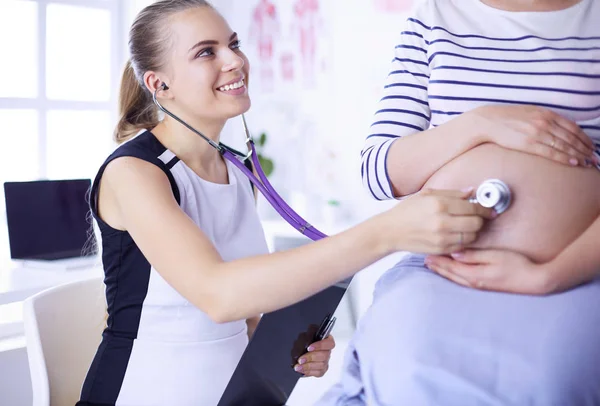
x=188, y=356
x=159, y=349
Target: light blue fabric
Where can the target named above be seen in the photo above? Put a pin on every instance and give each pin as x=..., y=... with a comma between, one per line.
x=427, y=341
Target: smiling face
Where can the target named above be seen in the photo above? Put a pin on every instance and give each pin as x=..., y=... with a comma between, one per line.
x=207, y=71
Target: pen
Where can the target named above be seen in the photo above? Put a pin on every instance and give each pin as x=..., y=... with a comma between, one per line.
x=324, y=332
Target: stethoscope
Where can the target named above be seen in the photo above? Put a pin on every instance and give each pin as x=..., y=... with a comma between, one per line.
x=491, y=193
x=238, y=158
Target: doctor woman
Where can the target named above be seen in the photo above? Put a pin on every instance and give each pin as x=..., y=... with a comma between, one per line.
x=187, y=269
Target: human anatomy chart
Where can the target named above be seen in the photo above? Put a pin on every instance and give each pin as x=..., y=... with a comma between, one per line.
x=264, y=32
x=286, y=37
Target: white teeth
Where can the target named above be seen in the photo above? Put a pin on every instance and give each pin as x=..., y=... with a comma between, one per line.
x=232, y=86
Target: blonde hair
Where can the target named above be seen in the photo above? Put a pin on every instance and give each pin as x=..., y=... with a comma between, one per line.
x=148, y=46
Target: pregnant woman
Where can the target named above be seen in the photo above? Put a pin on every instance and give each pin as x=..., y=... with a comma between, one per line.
x=490, y=89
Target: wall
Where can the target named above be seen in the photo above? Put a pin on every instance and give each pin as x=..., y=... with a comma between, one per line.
x=317, y=123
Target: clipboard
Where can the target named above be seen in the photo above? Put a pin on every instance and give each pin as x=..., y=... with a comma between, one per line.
x=265, y=374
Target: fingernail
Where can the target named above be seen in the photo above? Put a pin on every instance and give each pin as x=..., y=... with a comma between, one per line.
x=457, y=255
x=298, y=368
x=311, y=348
x=468, y=189
x=573, y=162
x=302, y=361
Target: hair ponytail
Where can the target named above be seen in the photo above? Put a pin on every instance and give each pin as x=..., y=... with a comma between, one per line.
x=148, y=49
x=136, y=108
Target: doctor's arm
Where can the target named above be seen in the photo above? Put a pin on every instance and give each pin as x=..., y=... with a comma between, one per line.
x=140, y=195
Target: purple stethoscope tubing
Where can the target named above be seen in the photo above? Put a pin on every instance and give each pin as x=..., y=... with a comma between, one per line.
x=263, y=185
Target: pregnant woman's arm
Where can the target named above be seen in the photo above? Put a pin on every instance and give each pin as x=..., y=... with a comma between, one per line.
x=393, y=169
x=578, y=263
x=401, y=153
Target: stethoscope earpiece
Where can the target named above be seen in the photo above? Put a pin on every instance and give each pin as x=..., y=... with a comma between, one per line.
x=164, y=86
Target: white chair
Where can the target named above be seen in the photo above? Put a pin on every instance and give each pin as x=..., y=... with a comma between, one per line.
x=63, y=328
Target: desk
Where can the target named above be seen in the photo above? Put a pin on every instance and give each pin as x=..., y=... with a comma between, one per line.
x=18, y=283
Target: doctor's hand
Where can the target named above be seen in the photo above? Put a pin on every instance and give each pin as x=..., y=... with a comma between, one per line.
x=434, y=222
x=316, y=361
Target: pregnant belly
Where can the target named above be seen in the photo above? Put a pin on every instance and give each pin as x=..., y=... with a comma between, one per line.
x=552, y=203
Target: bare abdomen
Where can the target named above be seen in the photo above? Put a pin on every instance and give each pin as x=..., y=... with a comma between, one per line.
x=552, y=203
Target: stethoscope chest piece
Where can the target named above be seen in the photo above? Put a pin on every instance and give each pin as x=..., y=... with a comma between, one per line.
x=493, y=193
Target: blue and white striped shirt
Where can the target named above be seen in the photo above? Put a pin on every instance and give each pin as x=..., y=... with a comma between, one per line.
x=456, y=55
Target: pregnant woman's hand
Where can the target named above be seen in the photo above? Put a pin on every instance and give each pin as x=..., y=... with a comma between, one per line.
x=535, y=130
x=433, y=222
x=503, y=271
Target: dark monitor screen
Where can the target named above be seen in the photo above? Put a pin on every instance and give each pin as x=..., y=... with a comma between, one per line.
x=47, y=219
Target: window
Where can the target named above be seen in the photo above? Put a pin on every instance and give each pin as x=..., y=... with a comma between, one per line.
x=58, y=105
x=78, y=53
x=60, y=70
